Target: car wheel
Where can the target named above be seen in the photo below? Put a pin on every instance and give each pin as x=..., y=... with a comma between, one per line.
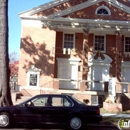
x=75, y=123
x=4, y=120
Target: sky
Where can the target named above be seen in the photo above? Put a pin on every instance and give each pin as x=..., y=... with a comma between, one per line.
x=14, y=8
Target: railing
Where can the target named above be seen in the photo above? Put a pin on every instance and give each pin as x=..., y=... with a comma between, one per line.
x=64, y=51
x=106, y=84
x=41, y=87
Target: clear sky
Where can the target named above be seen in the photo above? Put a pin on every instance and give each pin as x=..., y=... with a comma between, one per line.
x=16, y=7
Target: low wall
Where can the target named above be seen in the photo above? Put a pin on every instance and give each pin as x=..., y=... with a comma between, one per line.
x=112, y=107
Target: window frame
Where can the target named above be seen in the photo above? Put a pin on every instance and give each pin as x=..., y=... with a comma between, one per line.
x=125, y=44
x=62, y=99
x=64, y=39
x=28, y=78
x=103, y=7
x=104, y=43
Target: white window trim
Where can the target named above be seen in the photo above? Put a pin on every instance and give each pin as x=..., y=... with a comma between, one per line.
x=103, y=7
x=28, y=78
x=64, y=37
x=104, y=42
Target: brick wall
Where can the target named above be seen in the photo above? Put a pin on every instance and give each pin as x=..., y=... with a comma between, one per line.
x=36, y=49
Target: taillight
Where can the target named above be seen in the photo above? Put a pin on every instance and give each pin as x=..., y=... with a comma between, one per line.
x=98, y=111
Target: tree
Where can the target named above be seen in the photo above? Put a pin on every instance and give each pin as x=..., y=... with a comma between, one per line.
x=5, y=95
x=14, y=68
x=13, y=57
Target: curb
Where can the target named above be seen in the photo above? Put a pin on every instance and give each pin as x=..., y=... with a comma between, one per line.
x=102, y=125
x=115, y=115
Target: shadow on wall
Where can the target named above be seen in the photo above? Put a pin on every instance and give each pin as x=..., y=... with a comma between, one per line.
x=40, y=56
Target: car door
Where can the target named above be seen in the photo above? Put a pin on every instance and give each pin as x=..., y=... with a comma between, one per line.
x=32, y=111
x=59, y=111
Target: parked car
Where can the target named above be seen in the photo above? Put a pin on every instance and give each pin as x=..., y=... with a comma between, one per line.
x=50, y=109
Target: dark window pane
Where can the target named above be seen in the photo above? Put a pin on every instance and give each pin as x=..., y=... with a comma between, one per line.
x=102, y=11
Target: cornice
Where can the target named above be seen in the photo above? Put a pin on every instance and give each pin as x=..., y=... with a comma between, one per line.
x=42, y=7
x=78, y=7
x=72, y=9
x=92, y=21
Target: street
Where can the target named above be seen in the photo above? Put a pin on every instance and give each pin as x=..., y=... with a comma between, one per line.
x=89, y=127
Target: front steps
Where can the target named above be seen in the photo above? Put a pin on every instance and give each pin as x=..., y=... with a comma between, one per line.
x=18, y=98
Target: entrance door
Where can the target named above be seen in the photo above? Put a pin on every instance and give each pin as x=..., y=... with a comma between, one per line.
x=126, y=78
x=99, y=73
x=68, y=71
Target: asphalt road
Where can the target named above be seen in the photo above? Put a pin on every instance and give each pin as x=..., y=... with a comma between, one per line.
x=90, y=127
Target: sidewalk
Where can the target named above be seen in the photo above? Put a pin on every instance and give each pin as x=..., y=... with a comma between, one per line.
x=107, y=124
x=115, y=115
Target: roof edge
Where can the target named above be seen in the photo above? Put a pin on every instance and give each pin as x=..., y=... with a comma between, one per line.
x=88, y=3
x=45, y=19
x=42, y=7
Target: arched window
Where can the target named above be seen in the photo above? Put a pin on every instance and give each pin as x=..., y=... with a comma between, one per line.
x=103, y=10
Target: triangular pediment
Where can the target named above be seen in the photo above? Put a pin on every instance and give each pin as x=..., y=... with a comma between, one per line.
x=77, y=14
x=70, y=9
x=106, y=60
x=88, y=4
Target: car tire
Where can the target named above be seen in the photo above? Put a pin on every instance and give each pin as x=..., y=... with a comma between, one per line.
x=4, y=120
x=75, y=123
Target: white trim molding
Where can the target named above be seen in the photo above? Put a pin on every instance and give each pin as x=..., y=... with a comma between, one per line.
x=88, y=3
x=33, y=71
x=126, y=64
x=72, y=9
x=107, y=60
x=42, y=7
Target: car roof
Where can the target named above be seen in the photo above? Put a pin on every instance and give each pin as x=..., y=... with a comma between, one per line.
x=53, y=95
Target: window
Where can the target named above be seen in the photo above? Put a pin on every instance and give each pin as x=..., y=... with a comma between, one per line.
x=68, y=40
x=99, y=43
x=33, y=80
x=103, y=10
x=33, y=76
x=127, y=44
x=38, y=102
x=60, y=101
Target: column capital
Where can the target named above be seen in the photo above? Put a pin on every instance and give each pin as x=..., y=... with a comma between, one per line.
x=86, y=30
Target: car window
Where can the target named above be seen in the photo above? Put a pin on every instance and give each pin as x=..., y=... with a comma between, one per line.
x=61, y=101
x=48, y=101
x=38, y=101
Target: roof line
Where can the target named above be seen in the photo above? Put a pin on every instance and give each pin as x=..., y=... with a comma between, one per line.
x=119, y=5
x=89, y=3
x=44, y=19
x=42, y=7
